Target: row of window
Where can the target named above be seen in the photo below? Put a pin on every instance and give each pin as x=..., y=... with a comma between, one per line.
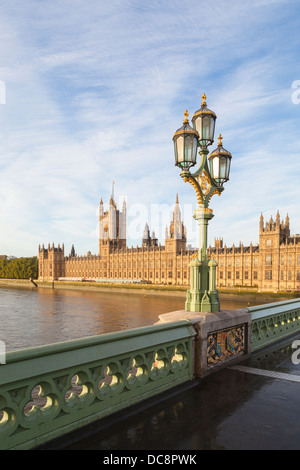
x=283, y=260
x=288, y=277
x=268, y=260
x=134, y=274
x=268, y=275
x=237, y=261
x=237, y=275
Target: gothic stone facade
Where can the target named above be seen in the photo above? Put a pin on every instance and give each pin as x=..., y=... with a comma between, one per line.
x=273, y=265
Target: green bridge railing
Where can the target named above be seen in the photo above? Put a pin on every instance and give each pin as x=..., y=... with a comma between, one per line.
x=50, y=390
x=273, y=322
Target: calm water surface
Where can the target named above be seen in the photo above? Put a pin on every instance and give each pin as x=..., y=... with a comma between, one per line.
x=34, y=317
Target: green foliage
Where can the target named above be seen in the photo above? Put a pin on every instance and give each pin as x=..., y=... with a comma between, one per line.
x=19, y=268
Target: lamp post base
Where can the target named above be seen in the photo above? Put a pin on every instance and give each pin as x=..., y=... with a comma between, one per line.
x=202, y=295
x=193, y=302
x=206, y=301
x=214, y=301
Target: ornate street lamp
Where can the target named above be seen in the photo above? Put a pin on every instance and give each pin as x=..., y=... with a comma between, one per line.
x=208, y=180
x=219, y=163
x=185, y=145
x=204, y=121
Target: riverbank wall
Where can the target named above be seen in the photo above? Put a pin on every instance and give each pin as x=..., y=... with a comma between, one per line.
x=248, y=295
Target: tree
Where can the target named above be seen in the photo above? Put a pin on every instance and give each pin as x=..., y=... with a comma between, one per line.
x=19, y=268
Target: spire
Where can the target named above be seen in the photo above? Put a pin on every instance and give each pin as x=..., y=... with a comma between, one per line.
x=72, y=253
x=112, y=197
x=146, y=234
x=277, y=219
x=153, y=239
x=177, y=224
x=287, y=220
x=287, y=226
x=261, y=223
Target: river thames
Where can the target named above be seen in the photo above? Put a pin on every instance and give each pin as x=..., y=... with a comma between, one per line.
x=34, y=317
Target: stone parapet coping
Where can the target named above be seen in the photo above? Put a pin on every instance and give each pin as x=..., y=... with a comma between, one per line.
x=206, y=324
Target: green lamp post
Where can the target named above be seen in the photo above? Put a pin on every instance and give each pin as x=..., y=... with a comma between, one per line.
x=208, y=180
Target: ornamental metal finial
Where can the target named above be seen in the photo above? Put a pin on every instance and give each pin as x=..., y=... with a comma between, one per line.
x=220, y=140
x=203, y=99
x=186, y=116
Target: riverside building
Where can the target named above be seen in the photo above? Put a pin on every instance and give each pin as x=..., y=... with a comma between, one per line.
x=271, y=265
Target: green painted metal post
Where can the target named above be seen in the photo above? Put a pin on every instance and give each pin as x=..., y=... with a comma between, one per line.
x=213, y=293
x=207, y=181
x=194, y=297
x=198, y=298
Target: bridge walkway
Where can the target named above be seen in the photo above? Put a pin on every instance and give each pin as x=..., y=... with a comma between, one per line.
x=254, y=405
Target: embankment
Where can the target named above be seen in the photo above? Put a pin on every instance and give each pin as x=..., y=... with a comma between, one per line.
x=251, y=295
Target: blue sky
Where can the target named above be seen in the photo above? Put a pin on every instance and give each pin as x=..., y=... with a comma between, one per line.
x=95, y=91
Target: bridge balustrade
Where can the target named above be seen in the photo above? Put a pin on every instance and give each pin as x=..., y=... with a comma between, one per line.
x=50, y=390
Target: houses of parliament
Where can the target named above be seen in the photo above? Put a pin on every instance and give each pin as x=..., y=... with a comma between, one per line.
x=272, y=265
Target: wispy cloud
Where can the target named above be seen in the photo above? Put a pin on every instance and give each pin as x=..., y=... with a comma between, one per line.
x=95, y=94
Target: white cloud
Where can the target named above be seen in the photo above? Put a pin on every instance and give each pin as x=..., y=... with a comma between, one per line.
x=95, y=94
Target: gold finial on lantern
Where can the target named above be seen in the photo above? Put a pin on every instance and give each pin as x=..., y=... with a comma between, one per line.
x=203, y=99
x=186, y=117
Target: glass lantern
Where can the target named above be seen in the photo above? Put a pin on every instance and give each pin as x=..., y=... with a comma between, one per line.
x=219, y=164
x=185, y=145
x=204, y=122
